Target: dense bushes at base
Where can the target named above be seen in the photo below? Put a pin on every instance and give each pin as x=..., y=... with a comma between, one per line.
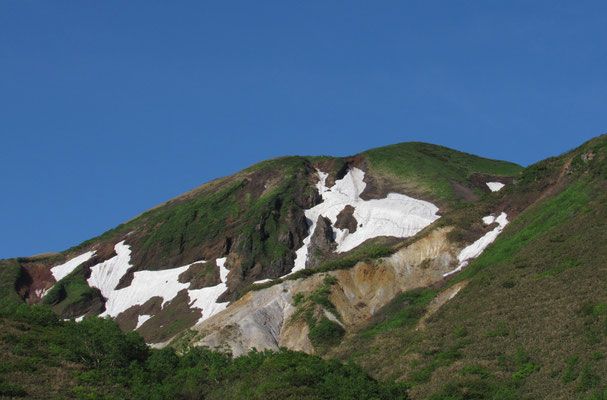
x=104, y=363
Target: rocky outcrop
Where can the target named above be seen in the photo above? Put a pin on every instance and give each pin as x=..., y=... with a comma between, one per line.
x=201, y=275
x=263, y=319
x=346, y=220
x=258, y=320
x=322, y=242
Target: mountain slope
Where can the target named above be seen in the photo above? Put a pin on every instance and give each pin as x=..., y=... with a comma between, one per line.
x=531, y=321
x=476, y=285
x=205, y=247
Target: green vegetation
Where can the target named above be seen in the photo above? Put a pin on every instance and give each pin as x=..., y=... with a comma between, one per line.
x=537, y=221
x=430, y=167
x=180, y=228
x=404, y=311
x=324, y=333
x=532, y=320
x=45, y=358
x=10, y=271
x=530, y=323
x=257, y=221
x=69, y=291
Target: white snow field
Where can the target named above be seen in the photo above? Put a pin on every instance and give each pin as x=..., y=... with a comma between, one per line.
x=147, y=284
x=61, y=271
x=476, y=248
x=495, y=186
x=396, y=215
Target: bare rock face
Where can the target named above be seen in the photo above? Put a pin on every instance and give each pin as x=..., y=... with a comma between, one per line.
x=201, y=275
x=258, y=320
x=346, y=220
x=322, y=242
x=266, y=319
x=588, y=156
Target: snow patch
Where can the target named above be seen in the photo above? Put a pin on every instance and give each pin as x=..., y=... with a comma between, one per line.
x=263, y=281
x=488, y=220
x=495, y=186
x=476, y=248
x=396, y=215
x=61, y=271
x=141, y=320
x=147, y=284
x=79, y=319
x=106, y=275
x=206, y=298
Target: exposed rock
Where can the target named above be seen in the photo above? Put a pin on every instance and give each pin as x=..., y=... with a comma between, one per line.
x=588, y=156
x=322, y=238
x=128, y=319
x=258, y=320
x=336, y=168
x=174, y=317
x=34, y=280
x=262, y=319
x=322, y=242
x=200, y=275
x=464, y=193
x=346, y=220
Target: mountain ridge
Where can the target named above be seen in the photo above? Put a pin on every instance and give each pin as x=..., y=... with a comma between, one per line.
x=274, y=174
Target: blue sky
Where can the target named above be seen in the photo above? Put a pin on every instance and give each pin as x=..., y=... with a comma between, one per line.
x=110, y=108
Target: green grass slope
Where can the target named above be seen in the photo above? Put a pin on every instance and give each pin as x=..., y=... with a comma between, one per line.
x=532, y=320
x=431, y=170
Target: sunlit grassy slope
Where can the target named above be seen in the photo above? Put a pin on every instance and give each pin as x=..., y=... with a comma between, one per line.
x=532, y=322
x=430, y=167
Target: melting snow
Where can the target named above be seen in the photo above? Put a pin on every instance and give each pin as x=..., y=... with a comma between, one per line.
x=476, y=248
x=40, y=293
x=206, y=298
x=61, y=271
x=396, y=215
x=495, y=186
x=141, y=320
x=147, y=284
x=488, y=220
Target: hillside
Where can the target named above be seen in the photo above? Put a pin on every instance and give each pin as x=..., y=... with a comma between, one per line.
x=187, y=259
x=531, y=320
x=46, y=358
x=465, y=279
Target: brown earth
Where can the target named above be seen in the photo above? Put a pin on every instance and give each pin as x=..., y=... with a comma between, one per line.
x=346, y=220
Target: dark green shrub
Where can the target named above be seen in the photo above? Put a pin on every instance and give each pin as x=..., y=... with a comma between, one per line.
x=326, y=333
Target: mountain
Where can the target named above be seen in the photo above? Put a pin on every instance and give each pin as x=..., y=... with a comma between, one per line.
x=457, y=276
x=183, y=261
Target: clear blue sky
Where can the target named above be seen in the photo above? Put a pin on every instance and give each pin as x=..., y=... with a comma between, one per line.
x=108, y=108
